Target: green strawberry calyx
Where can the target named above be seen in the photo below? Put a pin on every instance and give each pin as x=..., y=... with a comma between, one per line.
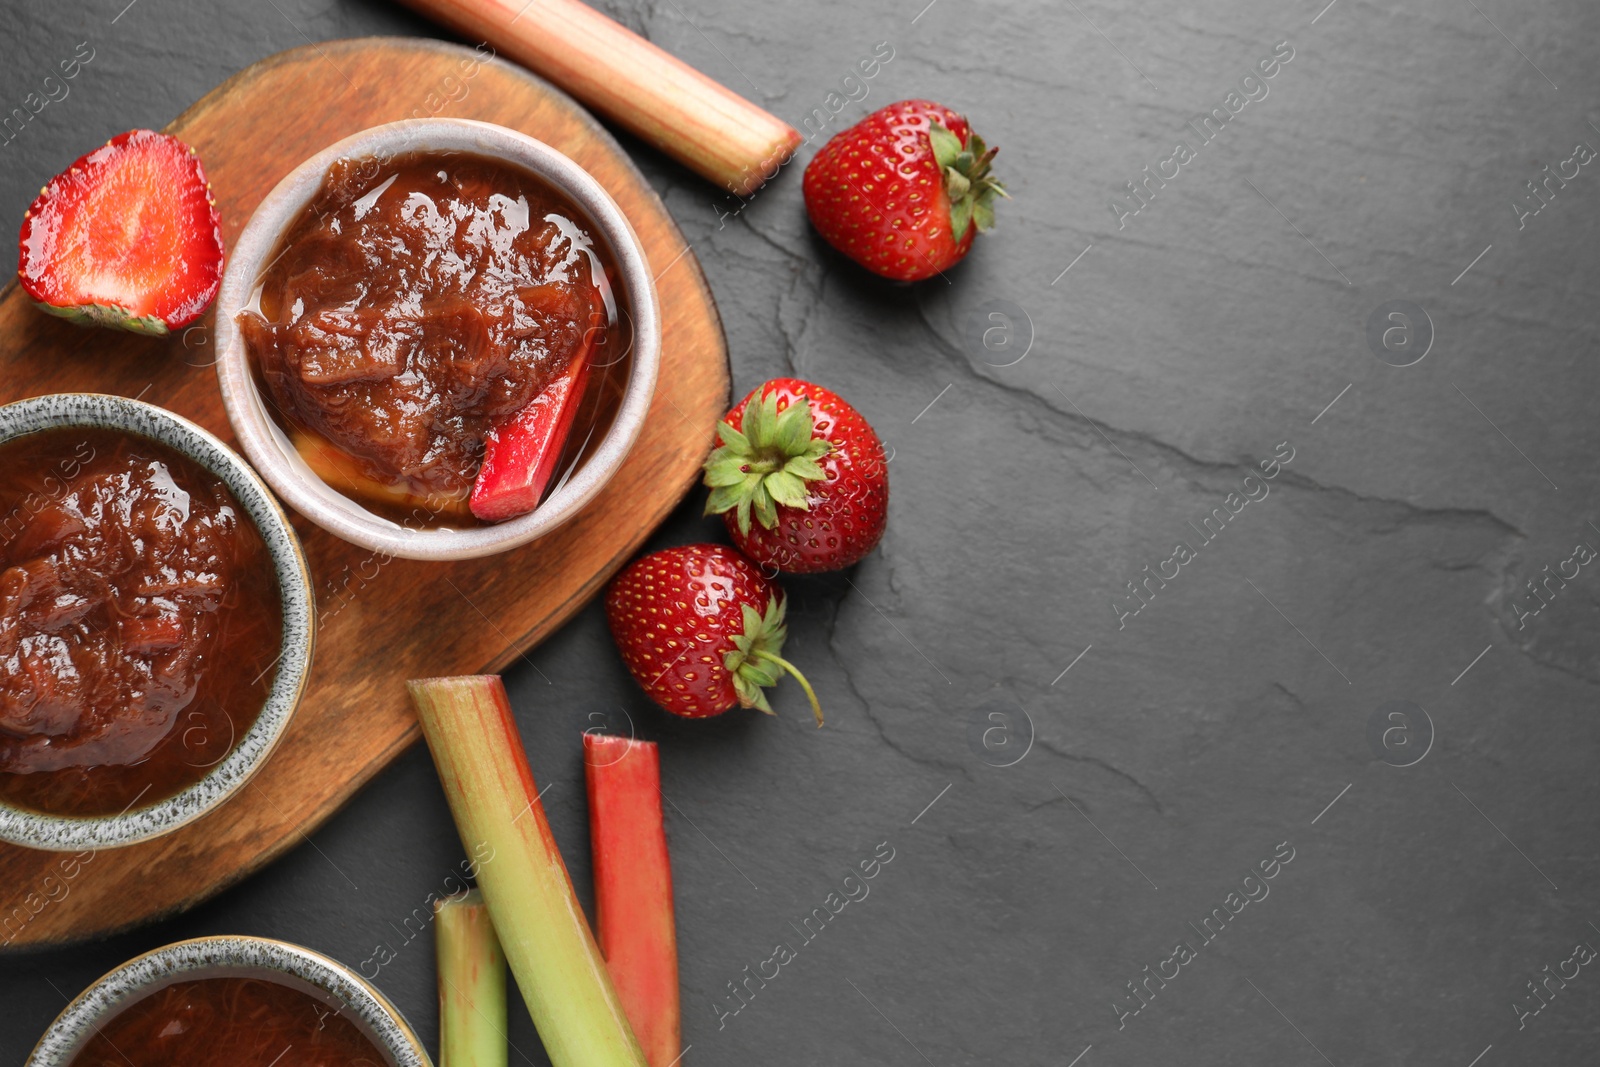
x=754, y=661
x=112, y=315
x=766, y=464
x=967, y=181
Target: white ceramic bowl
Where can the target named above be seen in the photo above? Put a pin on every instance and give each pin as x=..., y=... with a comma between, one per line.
x=270, y=449
x=246, y=957
x=34, y=829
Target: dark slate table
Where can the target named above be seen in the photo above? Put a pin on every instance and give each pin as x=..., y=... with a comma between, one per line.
x=1341, y=681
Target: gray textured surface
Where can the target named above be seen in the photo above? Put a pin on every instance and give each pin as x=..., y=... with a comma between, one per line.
x=1176, y=353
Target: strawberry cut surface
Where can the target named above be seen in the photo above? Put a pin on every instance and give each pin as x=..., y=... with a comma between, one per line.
x=128, y=236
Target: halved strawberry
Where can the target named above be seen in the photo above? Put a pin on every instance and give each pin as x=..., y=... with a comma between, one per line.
x=128, y=237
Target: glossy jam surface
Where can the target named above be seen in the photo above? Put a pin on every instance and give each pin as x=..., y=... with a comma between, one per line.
x=417, y=303
x=230, y=1022
x=139, y=617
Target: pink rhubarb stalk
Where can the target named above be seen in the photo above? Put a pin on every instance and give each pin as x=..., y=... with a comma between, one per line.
x=520, y=455
x=542, y=930
x=633, y=888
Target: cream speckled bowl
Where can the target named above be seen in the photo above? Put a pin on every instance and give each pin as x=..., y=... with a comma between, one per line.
x=35, y=829
x=269, y=447
x=234, y=956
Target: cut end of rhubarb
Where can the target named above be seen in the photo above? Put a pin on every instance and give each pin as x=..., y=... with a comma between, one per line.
x=607, y=750
x=442, y=690
x=752, y=177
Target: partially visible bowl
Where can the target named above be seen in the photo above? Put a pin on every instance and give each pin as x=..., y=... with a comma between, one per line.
x=36, y=829
x=275, y=456
x=326, y=979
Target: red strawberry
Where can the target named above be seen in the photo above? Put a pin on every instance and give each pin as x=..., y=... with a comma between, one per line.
x=128, y=236
x=810, y=469
x=701, y=630
x=902, y=191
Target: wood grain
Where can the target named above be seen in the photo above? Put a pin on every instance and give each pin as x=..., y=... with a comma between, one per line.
x=381, y=621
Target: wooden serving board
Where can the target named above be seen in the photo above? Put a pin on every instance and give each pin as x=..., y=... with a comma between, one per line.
x=403, y=619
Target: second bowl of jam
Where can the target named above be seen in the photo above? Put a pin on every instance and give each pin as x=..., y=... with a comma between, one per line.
x=154, y=621
x=230, y=1001
x=400, y=300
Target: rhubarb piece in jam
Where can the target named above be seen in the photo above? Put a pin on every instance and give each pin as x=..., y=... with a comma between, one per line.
x=418, y=305
x=230, y=1022
x=139, y=619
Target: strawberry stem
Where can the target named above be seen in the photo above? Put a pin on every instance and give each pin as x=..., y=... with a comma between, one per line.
x=759, y=646
x=811, y=694
x=768, y=462
x=968, y=184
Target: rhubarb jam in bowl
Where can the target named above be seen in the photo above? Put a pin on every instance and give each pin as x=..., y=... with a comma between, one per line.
x=155, y=621
x=438, y=338
x=230, y=1002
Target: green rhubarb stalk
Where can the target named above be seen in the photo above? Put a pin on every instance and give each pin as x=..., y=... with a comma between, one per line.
x=546, y=939
x=472, y=984
x=633, y=888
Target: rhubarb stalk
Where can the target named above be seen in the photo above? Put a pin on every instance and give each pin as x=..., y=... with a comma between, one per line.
x=472, y=984
x=558, y=966
x=705, y=126
x=633, y=888
x=520, y=455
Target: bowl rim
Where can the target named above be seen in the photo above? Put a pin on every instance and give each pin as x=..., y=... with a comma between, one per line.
x=53, y=832
x=263, y=442
x=216, y=956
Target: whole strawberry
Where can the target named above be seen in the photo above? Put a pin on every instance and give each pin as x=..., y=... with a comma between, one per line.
x=701, y=630
x=808, y=470
x=903, y=191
